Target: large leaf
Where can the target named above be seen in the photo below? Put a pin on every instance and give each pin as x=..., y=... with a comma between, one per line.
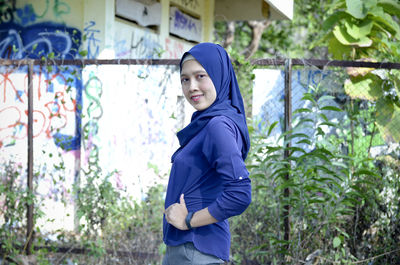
x=388, y=120
x=384, y=111
x=333, y=19
x=337, y=49
x=358, y=30
x=366, y=87
x=385, y=21
x=391, y=7
x=345, y=38
x=356, y=8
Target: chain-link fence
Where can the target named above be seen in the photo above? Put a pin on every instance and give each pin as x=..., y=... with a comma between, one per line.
x=91, y=141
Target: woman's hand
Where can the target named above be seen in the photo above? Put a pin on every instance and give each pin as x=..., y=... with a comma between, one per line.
x=176, y=213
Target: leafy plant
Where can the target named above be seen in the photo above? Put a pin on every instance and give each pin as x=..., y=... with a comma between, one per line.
x=335, y=195
x=14, y=198
x=369, y=31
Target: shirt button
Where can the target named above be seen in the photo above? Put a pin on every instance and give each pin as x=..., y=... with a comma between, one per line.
x=240, y=177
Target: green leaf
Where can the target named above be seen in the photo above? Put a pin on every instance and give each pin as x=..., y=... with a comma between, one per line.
x=385, y=21
x=309, y=97
x=359, y=30
x=324, y=150
x=259, y=187
x=271, y=127
x=391, y=7
x=83, y=53
x=336, y=242
x=331, y=124
x=339, y=164
x=325, y=98
x=295, y=149
x=356, y=8
x=297, y=135
x=337, y=49
x=388, y=120
x=320, y=156
x=365, y=172
x=304, y=141
x=301, y=110
x=384, y=111
x=333, y=19
x=304, y=121
x=325, y=169
x=345, y=38
x=332, y=108
x=366, y=87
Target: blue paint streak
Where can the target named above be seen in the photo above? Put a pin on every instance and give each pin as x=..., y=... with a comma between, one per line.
x=37, y=40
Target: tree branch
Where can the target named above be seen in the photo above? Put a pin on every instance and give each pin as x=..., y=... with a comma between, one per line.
x=257, y=28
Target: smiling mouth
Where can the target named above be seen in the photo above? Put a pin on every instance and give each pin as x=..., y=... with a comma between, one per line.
x=196, y=98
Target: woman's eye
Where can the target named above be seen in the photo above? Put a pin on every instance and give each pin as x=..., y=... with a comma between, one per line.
x=184, y=80
x=201, y=76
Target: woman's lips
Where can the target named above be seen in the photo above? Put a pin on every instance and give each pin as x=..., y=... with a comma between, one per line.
x=196, y=98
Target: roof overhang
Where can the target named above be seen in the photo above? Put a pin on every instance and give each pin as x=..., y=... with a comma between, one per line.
x=239, y=10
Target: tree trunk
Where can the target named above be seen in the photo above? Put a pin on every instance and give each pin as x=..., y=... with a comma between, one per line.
x=230, y=34
x=258, y=28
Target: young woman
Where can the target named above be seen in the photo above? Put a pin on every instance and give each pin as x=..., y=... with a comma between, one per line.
x=209, y=181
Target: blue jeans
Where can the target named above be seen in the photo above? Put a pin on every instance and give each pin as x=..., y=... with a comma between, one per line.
x=187, y=254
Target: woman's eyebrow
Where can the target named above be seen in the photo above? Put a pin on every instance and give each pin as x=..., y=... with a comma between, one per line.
x=195, y=72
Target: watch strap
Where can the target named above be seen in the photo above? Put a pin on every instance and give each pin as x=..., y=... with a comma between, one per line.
x=188, y=219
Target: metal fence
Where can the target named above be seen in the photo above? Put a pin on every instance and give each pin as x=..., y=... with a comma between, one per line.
x=281, y=98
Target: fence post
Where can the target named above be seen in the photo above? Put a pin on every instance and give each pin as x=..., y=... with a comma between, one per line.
x=288, y=127
x=29, y=213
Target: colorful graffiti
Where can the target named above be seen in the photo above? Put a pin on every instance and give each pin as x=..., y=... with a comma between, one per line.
x=94, y=111
x=21, y=36
x=57, y=91
x=57, y=96
x=92, y=40
x=37, y=40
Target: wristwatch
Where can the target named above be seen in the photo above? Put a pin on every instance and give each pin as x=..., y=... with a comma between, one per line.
x=188, y=219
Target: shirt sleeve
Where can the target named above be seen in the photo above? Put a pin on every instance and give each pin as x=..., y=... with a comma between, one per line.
x=221, y=147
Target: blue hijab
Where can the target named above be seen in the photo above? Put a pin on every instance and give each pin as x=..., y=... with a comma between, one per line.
x=215, y=60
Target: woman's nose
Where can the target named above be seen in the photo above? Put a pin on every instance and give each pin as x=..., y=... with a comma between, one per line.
x=193, y=86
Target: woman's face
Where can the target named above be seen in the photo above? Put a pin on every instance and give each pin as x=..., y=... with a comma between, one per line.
x=197, y=86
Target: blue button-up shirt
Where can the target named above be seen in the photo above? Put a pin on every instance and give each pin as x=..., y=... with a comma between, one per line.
x=210, y=172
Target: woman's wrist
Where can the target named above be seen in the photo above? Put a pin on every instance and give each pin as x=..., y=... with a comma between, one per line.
x=202, y=218
x=188, y=220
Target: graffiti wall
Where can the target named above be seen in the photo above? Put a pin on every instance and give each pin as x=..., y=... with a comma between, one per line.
x=123, y=118
x=57, y=97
